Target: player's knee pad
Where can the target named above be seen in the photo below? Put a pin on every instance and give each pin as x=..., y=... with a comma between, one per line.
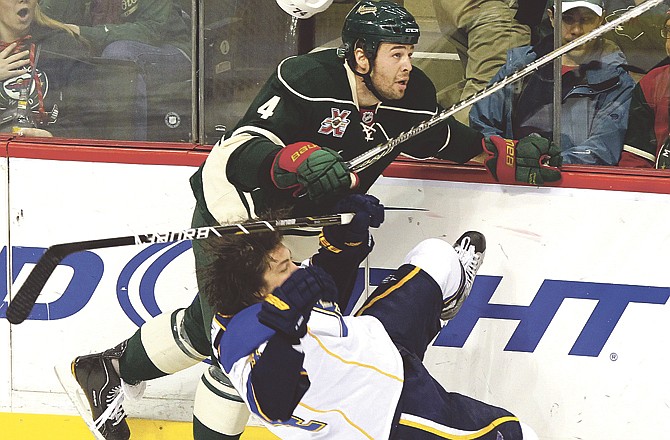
x=217, y=404
x=439, y=259
x=167, y=344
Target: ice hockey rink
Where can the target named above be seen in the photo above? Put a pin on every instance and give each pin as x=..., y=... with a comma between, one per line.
x=564, y=326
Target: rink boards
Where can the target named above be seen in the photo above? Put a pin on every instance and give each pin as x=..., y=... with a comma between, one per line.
x=565, y=325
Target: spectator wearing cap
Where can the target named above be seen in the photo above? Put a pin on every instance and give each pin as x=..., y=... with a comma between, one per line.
x=647, y=143
x=595, y=96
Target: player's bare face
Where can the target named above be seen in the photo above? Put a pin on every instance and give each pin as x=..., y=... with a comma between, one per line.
x=15, y=18
x=577, y=22
x=390, y=74
x=281, y=267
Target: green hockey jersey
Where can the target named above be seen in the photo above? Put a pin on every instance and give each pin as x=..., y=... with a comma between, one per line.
x=312, y=98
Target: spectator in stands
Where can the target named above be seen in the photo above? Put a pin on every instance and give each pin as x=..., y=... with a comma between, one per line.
x=155, y=34
x=647, y=143
x=595, y=98
x=43, y=57
x=638, y=38
x=482, y=31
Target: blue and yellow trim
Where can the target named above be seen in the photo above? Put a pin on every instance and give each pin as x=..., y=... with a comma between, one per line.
x=390, y=290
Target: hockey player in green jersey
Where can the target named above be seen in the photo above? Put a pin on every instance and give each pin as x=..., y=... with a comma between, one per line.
x=317, y=111
x=328, y=107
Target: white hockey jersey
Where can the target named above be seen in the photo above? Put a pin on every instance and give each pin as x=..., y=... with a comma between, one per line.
x=355, y=373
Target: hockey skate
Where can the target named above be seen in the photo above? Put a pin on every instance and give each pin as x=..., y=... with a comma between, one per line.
x=470, y=248
x=97, y=393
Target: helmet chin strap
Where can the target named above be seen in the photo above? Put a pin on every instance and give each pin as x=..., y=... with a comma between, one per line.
x=367, y=80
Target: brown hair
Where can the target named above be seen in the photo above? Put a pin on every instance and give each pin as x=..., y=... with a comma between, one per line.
x=43, y=20
x=233, y=277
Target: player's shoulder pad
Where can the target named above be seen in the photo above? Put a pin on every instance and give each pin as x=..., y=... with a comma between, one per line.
x=315, y=75
x=242, y=336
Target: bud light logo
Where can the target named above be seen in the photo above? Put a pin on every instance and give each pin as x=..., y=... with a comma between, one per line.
x=533, y=320
x=87, y=271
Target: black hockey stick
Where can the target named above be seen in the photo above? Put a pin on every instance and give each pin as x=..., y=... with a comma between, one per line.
x=22, y=304
x=371, y=156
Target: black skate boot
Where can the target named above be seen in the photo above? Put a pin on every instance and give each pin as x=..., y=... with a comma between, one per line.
x=102, y=386
x=470, y=249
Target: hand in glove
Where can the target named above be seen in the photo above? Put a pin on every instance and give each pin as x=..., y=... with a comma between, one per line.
x=306, y=167
x=369, y=213
x=532, y=159
x=288, y=307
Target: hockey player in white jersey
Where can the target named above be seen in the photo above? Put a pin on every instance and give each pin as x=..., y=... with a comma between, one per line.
x=369, y=86
x=308, y=372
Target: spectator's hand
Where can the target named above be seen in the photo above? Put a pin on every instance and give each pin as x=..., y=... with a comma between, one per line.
x=35, y=132
x=369, y=213
x=532, y=159
x=308, y=168
x=13, y=65
x=287, y=309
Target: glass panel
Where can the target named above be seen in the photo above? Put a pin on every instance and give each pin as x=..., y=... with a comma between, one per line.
x=644, y=42
x=464, y=45
x=244, y=40
x=101, y=69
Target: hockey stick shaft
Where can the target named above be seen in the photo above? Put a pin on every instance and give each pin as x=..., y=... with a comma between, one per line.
x=22, y=304
x=361, y=162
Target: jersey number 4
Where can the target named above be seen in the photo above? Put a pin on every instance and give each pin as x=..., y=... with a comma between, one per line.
x=268, y=109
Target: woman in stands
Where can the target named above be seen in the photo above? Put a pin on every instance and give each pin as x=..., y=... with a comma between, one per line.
x=45, y=58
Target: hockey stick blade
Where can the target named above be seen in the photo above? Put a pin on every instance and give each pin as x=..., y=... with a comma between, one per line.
x=22, y=304
x=364, y=160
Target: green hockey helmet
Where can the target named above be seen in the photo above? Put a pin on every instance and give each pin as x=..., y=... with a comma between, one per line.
x=373, y=22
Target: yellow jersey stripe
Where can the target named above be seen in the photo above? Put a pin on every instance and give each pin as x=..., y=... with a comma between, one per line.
x=389, y=291
x=443, y=431
x=359, y=364
x=356, y=427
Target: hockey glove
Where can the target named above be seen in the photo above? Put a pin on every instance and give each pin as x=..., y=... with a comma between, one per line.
x=369, y=213
x=288, y=307
x=532, y=159
x=308, y=168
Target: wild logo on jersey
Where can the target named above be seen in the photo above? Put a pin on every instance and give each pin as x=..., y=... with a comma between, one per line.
x=336, y=124
x=9, y=93
x=9, y=96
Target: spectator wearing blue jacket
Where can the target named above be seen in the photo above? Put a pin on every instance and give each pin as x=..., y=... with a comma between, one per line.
x=596, y=93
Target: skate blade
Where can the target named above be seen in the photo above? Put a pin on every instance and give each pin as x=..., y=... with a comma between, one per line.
x=76, y=395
